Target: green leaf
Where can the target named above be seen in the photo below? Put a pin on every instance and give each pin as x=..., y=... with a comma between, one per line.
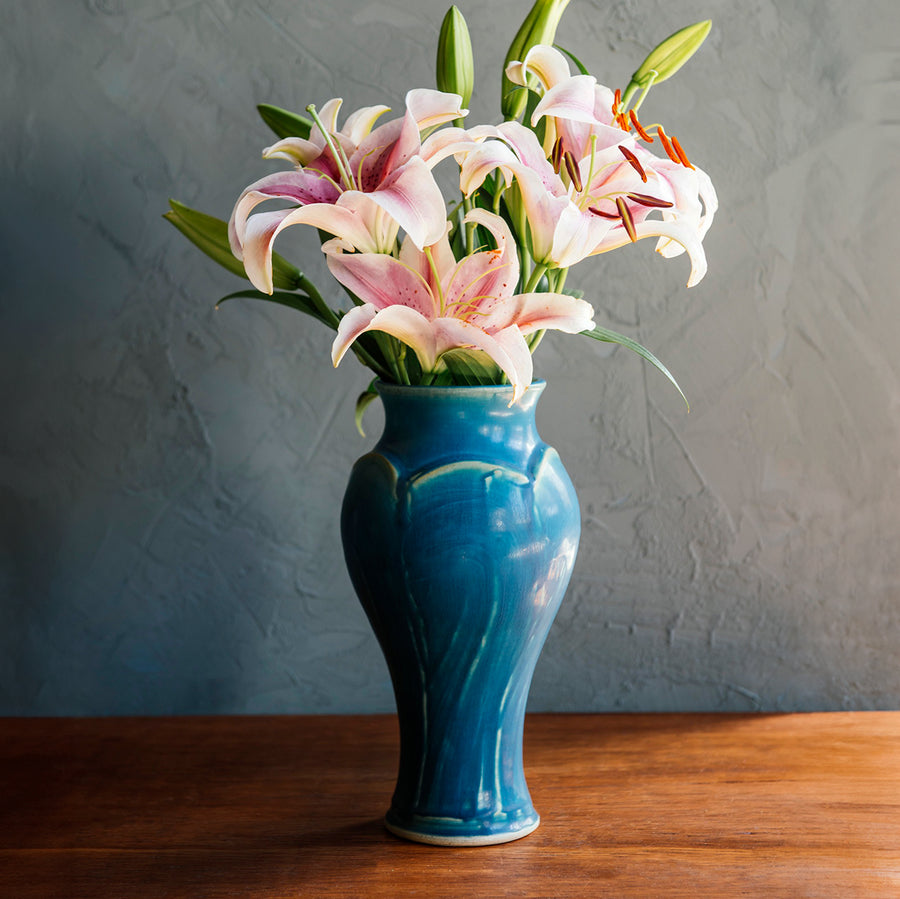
x=363, y=401
x=470, y=367
x=210, y=235
x=298, y=301
x=284, y=123
x=668, y=57
x=578, y=63
x=606, y=336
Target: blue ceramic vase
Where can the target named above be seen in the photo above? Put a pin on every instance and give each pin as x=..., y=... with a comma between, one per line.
x=460, y=530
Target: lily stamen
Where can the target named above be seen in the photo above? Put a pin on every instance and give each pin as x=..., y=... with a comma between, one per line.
x=639, y=127
x=634, y=162
x=598, y=211
x=557, y=155
x=652, y=202
x=667, y=144
x=682, y=156
x=572, y=169
x=627, y=220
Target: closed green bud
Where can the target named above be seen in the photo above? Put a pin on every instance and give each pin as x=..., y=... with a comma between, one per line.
x=539, y=27
x=666, y=59
x=455, y=63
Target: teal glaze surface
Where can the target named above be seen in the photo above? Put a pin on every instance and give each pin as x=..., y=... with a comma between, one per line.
x=460, y=531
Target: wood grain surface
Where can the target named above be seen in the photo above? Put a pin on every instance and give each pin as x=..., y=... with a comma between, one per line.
x=632, y=805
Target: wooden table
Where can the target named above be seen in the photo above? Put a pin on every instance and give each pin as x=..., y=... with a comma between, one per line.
x=632, y=805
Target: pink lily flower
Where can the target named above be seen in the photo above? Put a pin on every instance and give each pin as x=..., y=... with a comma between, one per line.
x=380, y=181
x=434, y=304
x=605, y=172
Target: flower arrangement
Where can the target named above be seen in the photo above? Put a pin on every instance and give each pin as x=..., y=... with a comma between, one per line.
x=466, y=293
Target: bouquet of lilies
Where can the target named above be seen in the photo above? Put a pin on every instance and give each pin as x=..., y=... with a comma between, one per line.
x=461, y=293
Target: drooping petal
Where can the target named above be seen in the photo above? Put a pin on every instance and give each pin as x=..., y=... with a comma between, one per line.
x=478, y=164
x=431, y=108
x=683, y=234
x=294, y=149
x=532, y=312
x=571, y=99
x=402, y=322
x=300, y=187
x=380, y=279
x=444, y=143
x=547, y=63
x=413, y=198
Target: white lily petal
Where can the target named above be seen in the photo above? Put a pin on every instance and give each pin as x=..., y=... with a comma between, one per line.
x=682, y=234
x=413, y=198
x=532, y=312
x=431, y=108
x=361, y=122
x=294, y=149
x=547, y=63
x=572, y=99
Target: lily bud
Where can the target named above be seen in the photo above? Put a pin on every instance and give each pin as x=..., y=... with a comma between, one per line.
x=539, y=27
x=666, y=59
x=455, y=63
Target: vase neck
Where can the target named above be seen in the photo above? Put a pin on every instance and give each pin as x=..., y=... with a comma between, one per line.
x=434, y=421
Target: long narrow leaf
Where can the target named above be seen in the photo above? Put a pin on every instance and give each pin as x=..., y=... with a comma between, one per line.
x=210, y=234
x=578, y=63
x=298, y=301
x=284, y=123
x=606, y=336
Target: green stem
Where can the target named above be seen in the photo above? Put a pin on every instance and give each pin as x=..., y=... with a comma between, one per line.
x=535, y=278
x=328, y=314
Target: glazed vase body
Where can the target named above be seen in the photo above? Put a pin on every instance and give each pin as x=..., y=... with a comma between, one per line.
x=460, y=531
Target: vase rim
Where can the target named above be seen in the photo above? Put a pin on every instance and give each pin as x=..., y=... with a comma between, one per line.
x=386, y=387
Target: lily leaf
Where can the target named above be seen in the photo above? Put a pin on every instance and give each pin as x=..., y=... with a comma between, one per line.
x=284, y=123
x=298, y=301
x=363, y=401
x=606, y=336
x=469, y=367
x=578, y=63
x=210, y=234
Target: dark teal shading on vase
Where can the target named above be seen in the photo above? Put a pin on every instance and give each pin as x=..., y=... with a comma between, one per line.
x=460, y=531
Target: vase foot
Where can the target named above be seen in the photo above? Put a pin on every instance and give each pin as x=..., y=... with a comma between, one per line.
x=446, y=832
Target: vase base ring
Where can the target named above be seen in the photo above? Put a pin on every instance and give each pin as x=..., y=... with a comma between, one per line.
x=438, y=836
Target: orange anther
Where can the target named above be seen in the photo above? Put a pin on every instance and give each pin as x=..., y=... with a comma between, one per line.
x=667, y=146
x=682, y=156
x=639, y=127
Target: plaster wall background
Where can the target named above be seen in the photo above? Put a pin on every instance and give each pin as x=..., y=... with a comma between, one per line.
x=170, y=476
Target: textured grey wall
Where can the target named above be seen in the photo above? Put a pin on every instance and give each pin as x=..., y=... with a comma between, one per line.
x=170, y=477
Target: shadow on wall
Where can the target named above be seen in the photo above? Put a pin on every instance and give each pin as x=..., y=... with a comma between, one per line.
x=155, y=556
